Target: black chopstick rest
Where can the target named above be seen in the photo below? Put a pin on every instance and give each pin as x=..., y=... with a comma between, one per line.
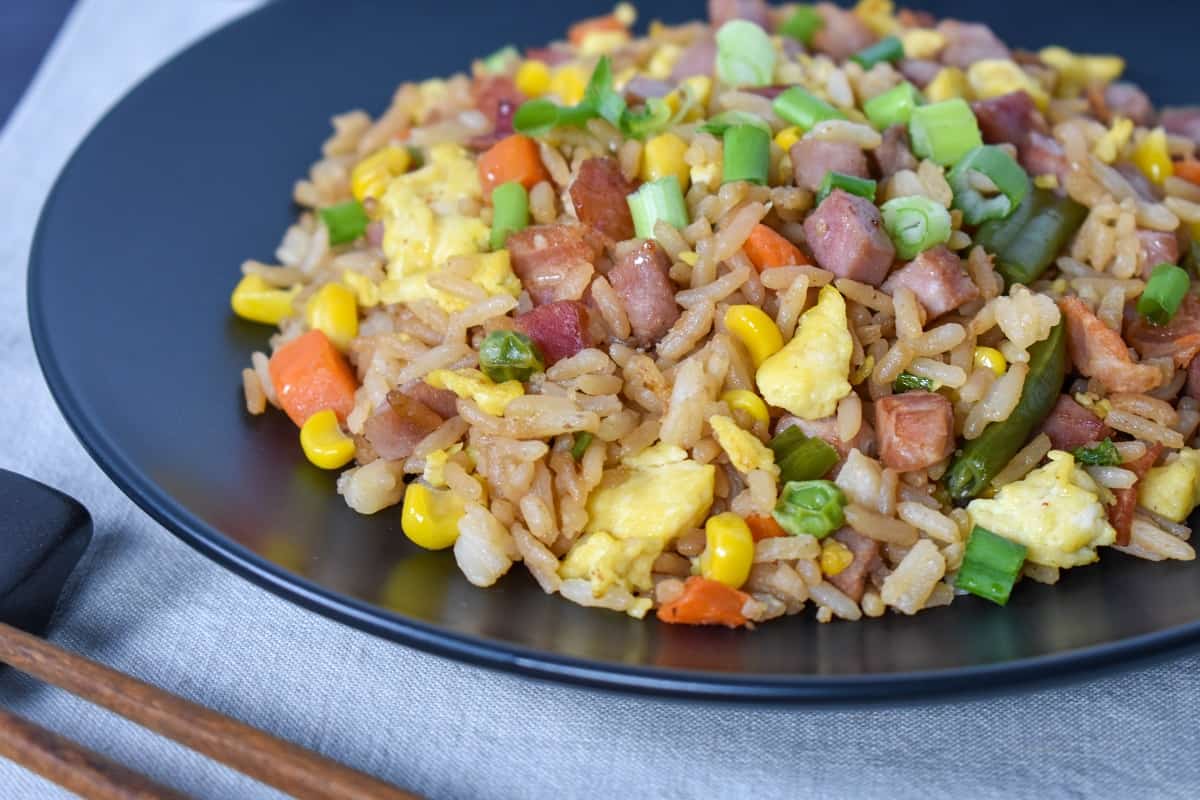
x=43, y=534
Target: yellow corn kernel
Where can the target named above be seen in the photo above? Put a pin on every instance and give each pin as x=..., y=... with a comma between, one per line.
x=258, y=301
x=371, y=176
x=751, y=326
x=729, y=550
x=569, y=84
x=692, y=92
x=949, y=83
x=430, y=517
x=1047, y=181
x=922, y=43
x=598, y=43
x=788, y=137
x=1194, y=227
x=365, y=290
x=835, y=557
x=1152, y=157
x=878, y=15
x=1076, y=72
x=663, y=61
x=532, y=78
x=333, y=310
x=663, y=156
x=747, y=401
x=992, y=77
x=1109, y=146
x=689, y=257
x=1058, y=286
x=492, y=398
x=323, y=441
x=990, y=358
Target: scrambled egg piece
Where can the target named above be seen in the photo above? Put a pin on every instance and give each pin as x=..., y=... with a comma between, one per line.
x=634, y=512
x=992, y=77
x=878, y=15
x=663, y=61
x=922, y=43
x=1173, y=489
x=424, y=228
x=809, y=375
x=1110, y=145
x=492, y=398
x=365, y=292
x=745, y=451
x=435, y=465
x=1055, y=511
x=1076, y=71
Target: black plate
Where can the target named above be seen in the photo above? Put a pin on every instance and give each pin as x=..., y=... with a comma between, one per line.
x=136, y=253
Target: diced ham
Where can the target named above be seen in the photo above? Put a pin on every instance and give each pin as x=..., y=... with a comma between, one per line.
x=498, y=98
x=842, y=35
x=894, y=153
x=1070, y=425
x=722, y=11
x=642, y=282
x=598, y=194
x=1157, y=247
x=443, y=401
x=560, y=330
x=826, y=428
x=641, y=88
x=1182, y=122
x=1120, y=513
x=395, y=429
x=555, y=262
x=847, y=238
x=700, y=58
x=1008, y=118
x=1193, y=379
x=1043, y=155
x=912, y=18
x=813, y=158
x=1178, y=340
x=919, y=70
x=915, y=429
x=1097, y=351
x=551, y=56
x=852, y=580
x=375, y=233
x=937, y=278
x=769, y=92
x=968, y=42
x=1123, y=99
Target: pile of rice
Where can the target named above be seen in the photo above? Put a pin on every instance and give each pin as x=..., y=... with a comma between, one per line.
x=526, y=496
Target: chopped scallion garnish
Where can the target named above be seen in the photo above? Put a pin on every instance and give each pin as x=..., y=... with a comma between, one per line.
x=1100, y=454
x=801, y=108
x=510, y=211
x=802, y=24
x=745, y=55
x=583, y=440
x=990, y=566
x=1001, y=170
x=863, y=187
x=345, y=221
x=509, y=356
x=907, y=382
x=888, y=48
x=719, y=123
x=915, y=224
x=1164, y=293
x=893, y=107
x=944, y=132
x=655, y=200
x=747, y=154
x=801, y=458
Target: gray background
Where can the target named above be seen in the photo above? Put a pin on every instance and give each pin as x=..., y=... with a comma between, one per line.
x=146, y=604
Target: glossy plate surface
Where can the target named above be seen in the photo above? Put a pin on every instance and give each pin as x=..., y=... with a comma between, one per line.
x=138, y=248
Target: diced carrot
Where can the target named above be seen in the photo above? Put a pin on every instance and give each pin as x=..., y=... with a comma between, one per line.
x=1189, y=170
x=764, y=526
x=706, y=602
x=310, y=375
x=766, y=248
x=513, y=158
x=580, y=30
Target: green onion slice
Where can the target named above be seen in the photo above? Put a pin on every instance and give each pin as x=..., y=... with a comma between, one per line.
x=583, y=440
x=509, y=356
x=1164, y=293
x=863, y=187
x=801, y=108
x=801, y=458
x=745, y=55
x=345, y=221
x=944, y=132
x=810, y=508
x=989, y=161
x=888, y=48
x=991, y=565
x=893, y=107
x=655, y=200
x=719, y=123
x=1100, y=454
x=802, y=24
x=536, y=117
x=498, y=61
x=915, y=224
x=907, y=382
x=510, y=211
x=747, y=154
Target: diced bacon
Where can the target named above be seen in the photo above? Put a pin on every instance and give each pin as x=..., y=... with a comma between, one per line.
x=915, y=429
x=443, y=401
x=1156, y=247
x=918, y=70
x=1121, y=99
x=769, y=92
x=813, y=158
x=1182, y=122
x=1193, y=379
x=700, y=58
x=599, y=193
x=722, y=11
x=1070, y=425
x=1178, y=340
x=1043, y=155
x=642, y=282
x=853, y=579
x=395, y=429
x=1120, y=513
x=498, y=98
x=555, y=262
x=560, y=330
x=894, y=153
x=1098, y=352
x=1008, y=118
x=826, y=428
x=847, y=238
x=551, y=56
x=912, y=18
x=641, y=88
x=968, y=42
x=937, y=278
x=843, y=33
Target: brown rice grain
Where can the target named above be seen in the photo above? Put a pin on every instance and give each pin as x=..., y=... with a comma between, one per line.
x=1142, y=428
x=876, y=526
x=1025, y=460
x=252, y=390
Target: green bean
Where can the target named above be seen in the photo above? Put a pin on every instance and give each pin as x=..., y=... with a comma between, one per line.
x=1027, y=241
x=980, y=459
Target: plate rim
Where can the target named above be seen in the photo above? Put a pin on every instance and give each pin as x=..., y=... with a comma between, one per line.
x=845, y=690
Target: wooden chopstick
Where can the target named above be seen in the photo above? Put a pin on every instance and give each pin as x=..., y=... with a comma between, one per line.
x=283, y=765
